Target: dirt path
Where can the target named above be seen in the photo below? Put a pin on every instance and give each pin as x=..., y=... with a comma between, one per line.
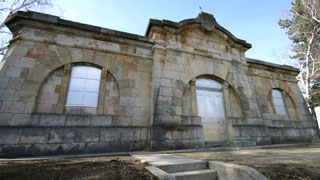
x=111, y=167
x=276, y=164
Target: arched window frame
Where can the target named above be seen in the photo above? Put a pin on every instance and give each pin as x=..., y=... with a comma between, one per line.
x=84, y=86
x=278, y=102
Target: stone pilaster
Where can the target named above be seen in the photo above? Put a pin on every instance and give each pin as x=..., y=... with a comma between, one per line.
x=194, y=98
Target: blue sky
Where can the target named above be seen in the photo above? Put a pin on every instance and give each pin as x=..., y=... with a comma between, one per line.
x=255, y=21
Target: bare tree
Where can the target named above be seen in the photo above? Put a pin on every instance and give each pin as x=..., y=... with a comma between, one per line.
x=8, y=7
x=304, y=31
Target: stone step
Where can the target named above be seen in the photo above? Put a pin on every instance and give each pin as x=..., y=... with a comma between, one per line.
x=205, y=174
x=183, y=167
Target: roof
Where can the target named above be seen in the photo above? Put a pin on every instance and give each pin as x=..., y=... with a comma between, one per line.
x=285, y=67
x=31, y=15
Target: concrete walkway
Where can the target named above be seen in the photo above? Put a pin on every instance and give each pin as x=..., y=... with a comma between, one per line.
x=149, y=153
x=172, y=167
x=156, y=159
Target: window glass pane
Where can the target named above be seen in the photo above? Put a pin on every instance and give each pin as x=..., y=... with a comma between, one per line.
x=281, y=102
x=92, y=86
x=208, y=83
x=215, y=84
x=276, y=93
x=210, y=103
x=201, y=105
x=77, y=84
x=93, y=73
x=74, y=98
x=281, y=110
x=278, y=102
x=199, y=82
x=90, y=99
x=79, y=71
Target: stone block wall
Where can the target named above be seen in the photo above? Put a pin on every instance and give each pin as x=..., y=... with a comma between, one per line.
x=184, y=53
x=297, y=125
x=73, y=138
x=187, y=50
x=35, y=75
x=51, y=96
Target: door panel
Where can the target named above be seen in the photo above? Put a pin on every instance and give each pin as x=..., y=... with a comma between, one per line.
x=211, y=110
x=201, y=105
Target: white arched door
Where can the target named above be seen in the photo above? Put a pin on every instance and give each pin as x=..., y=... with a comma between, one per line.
x=211, y=109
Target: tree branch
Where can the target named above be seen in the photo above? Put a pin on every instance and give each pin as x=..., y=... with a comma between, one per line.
x=312, y=9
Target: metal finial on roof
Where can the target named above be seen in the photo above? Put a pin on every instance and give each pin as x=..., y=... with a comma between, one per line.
x=200, y=8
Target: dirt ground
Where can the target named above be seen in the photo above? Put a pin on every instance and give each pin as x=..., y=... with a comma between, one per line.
x=275, y=164
x=111, y=168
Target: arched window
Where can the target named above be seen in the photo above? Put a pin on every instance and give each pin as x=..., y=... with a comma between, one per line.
x=208, y=83
x=84, y=86
x=278, y=102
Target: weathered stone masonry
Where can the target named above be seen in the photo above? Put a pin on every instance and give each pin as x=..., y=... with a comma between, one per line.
x=147, y=92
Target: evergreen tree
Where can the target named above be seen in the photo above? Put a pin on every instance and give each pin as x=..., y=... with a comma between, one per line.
x=303, y=25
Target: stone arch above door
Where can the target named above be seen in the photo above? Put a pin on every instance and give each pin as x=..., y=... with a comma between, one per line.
x=232, y=101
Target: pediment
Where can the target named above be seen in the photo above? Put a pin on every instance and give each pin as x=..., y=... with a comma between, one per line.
x=195, y=35
x=205, y=22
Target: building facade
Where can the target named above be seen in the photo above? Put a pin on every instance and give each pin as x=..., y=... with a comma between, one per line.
x=68, y=88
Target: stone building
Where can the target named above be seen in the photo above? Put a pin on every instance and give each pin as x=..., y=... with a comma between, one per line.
x=68, y=88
